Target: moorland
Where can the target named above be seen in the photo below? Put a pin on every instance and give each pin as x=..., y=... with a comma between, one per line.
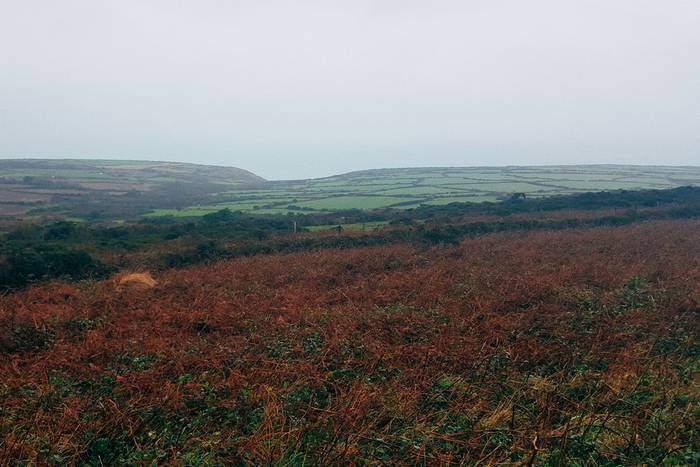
x=547, y=330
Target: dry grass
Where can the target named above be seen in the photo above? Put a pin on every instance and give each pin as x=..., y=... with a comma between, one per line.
x=135, y=280
x=549, y=347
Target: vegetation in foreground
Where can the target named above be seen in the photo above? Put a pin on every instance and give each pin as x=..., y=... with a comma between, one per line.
x=549, y=337
x=33, y=252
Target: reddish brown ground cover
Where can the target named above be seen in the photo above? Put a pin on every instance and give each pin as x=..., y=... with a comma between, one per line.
x=543, y=347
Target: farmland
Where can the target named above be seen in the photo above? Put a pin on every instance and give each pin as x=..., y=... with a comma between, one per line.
x=98, y=189
x=408, y=188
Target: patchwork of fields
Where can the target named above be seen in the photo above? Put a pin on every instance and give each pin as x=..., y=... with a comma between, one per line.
x=103, y=189
x=408, y=188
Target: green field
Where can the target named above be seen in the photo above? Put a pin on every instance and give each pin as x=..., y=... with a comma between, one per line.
x=410, y=188
x=352, y=227
x=91, y=189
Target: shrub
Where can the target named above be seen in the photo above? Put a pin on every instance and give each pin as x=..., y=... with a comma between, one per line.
x=25, y=338
x=41, y=263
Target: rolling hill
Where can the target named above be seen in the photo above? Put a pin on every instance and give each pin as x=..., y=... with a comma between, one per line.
x=408, y=188
x=104, y=189
x=109, y=188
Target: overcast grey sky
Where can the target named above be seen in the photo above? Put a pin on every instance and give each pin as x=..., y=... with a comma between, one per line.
x=297, y=89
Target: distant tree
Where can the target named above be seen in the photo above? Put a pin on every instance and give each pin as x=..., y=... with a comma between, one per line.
x=222, y=215
x=60, y=230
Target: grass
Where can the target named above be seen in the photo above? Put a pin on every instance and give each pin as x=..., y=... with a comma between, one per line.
x=187, y=212
x=355, y=227
x=611, y=185
x=406, y=188
x=423, y=190
x=462, y=199
x=351, y=202
x=370, y=189
x=54, y=174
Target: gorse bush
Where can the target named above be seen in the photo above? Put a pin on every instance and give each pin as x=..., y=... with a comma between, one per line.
x=163, y=242
x=24, y=337
x=39, y=263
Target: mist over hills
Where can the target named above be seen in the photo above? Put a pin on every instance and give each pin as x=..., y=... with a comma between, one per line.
x=118, y=189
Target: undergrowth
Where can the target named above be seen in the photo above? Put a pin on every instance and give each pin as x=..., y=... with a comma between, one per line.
x=576, y=347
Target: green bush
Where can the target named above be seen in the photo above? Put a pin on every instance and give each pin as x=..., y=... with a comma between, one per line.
x=25, y=338
x=33, y=264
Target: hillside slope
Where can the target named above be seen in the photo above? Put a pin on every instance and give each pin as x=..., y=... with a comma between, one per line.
x=109, y=188
x=572, y=347
x=406, y=188
x=92, y=189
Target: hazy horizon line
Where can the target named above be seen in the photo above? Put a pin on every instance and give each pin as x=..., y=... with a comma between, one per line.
x=398, y=167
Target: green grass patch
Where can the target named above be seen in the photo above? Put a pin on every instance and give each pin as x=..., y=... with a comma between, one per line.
x=352, y=202
x=422, y=190
x=356, y=227
x=462, y=199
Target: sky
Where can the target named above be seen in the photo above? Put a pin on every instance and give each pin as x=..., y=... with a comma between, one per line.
x=300, y=88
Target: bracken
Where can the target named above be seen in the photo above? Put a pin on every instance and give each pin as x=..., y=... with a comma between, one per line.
x=548, y=347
